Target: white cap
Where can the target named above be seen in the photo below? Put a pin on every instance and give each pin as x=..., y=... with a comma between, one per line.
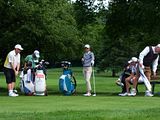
x=36, y=52
x=87, y=46
x=158, y=45
x=133, y=59
x=18, y=46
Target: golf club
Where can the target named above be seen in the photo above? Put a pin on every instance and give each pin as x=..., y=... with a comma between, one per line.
x=94, y=83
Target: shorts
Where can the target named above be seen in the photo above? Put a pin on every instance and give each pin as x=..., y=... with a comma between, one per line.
x=10, y=75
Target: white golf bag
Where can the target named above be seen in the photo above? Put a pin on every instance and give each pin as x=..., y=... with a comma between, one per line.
x=26, y=83
x=34, y=83
x=40, y=83
x=40, y=78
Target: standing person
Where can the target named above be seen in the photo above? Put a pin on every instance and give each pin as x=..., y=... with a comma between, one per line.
x=30, y=63
x=88, y=63
x=149, y=58
x=32, y=59
x=11, y=68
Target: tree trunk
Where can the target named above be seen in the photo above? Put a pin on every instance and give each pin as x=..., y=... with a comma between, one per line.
x=113, y=73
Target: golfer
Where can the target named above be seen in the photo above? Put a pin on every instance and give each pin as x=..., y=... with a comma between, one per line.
x=147, y=58
x=11, y=69
x=88, y=63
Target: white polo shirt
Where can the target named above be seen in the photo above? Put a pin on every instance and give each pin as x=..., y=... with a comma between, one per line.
x=12, y=58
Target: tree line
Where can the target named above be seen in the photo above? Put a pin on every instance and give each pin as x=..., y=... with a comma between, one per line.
x=60, y=28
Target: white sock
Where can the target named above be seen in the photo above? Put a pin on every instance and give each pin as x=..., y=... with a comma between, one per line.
x=10, y=91
x=133, y=89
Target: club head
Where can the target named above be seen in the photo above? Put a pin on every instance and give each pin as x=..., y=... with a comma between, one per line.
x=94, y=95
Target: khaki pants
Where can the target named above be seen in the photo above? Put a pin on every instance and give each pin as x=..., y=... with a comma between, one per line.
x=87, y=72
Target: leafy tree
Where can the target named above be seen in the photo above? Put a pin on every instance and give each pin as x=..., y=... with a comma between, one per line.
x=90, y=19
x=84, y=12
x=46, y=25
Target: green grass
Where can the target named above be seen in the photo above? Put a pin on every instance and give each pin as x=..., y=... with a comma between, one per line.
x=105, y=106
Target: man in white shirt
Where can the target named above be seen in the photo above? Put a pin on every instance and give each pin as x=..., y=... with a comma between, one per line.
x=11, y=68
x=149, y=58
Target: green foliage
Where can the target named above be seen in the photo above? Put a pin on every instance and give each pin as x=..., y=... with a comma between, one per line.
x=90, y=22
x=43, y=24
x=57, y=28
x=84, y=12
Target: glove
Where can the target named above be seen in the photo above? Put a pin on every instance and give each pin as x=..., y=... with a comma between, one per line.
x=92, y=63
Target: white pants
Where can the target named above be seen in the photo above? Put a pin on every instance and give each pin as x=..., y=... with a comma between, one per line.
x=87, y=72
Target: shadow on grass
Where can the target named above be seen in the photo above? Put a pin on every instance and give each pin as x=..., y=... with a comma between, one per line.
x=51, y=92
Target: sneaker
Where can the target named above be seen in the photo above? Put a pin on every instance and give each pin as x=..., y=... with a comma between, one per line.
x=133, y=93
x=123, y=94
x=12, y=94
x=16, y=94
x=148, y=94
x=15, y=91
x=119, y=83
x=87, y=94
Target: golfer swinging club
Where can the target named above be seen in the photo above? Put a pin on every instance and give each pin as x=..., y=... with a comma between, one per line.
x=88, y=63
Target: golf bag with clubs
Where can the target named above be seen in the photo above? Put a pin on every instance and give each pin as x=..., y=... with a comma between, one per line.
x=33, y=82
x=26, y=83
x=40, y=79
x=67, y=86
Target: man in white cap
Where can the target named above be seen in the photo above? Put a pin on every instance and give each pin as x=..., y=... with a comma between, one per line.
x=147, y=58
x=88, y=63
x=30, y=62
x=11, y=68
x=32, y=59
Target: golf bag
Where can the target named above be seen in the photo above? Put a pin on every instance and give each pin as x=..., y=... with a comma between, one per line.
x=33, y=81
x=26, y=83
x=66, y=85
x=40, y=79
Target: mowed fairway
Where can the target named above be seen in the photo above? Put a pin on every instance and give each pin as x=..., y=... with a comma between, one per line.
x=105, y=106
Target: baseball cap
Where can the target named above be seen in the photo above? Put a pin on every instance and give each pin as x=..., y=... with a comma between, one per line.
x=18, y=46
x=36, y=52
x=87, y=46
x=134, y=59
x=158, y=45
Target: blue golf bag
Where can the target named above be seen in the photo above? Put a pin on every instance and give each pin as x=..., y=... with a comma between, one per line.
x=66, y=85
